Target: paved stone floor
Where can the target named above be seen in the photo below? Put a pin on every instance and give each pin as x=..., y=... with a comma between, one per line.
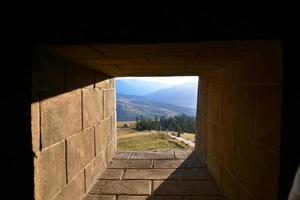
x=154, y=175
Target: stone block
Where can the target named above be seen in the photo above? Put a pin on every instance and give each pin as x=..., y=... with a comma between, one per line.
x=202, y=102
x=60, y=117
x=232, y=189
x=149, y=198
x=108, y=102
x=35, y=121
x=268, y=116
x=210, y=137
x=214, y=169
x=223, y=76
x=94, y=170
x=50, y=171
x=103, y=81
x=122, y=155
x=259, y=67
x=110, y=150
x=79, y=77
x=101, y=135
x=124, y=187
x=92, y=107
x=74, y=189
x=182, y=154
x=168, y=187
x=257, y=169
x=225, y=147
x=229, y=109
x=152, y=155
x=112, y=174
x=131, y=164
x=80, y=151
x=214, y=104
x=150, y=174
x=100, y=197
x=194, y=174
x=188, y=163
x=244, y=122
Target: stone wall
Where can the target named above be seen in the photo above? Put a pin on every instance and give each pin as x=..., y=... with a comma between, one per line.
x=239, y=113
x=73, y=127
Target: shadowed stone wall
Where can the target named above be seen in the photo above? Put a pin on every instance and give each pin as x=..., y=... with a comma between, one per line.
x=73, y=127
x=239, y=114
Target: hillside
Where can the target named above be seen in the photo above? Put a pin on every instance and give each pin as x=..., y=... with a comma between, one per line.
x=138, y=87
x=130, y=106
x=182, y=95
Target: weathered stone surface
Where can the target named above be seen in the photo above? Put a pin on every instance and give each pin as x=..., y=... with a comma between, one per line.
x=188, y=163
x=152, y=155
x=194, y=174
x=79, y=77
x=103, y=82
x=74, y=189
x=260, y=67
x=244, y=111
x=210, y=138
x=35, y=121
x=232, y=188
x=133, y=187
x=133, y=197
x=228, y=107
x=50, y=171
x=108, y=102
x=223, y=76
x=139, y=164
x=214, y=169
x=262, y=182
x=184, y=188
x=110, y=150
x=268, y=116
x=80, y=151
x=112, y=174
x=94, y=170
x=216, y=197
x=184, y=154
x=149, y=198
x=225, y=146
x=150, y=174
x=60, y=117
x=92, y=107
x=101, y=135
x=100, y=197
x=214, y=104
x=122, y=155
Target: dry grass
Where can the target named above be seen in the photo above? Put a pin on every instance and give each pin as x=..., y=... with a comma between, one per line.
x=131, y=140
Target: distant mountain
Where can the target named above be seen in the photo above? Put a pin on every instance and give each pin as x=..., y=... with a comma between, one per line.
x=130, y=106
x=182, y=95
x=138, y=87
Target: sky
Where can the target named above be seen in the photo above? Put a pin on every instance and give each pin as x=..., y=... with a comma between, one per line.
x=167, y=80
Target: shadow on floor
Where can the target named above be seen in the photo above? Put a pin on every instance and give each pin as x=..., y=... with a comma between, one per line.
x=162, y=175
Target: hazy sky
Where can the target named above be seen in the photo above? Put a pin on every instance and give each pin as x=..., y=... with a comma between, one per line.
x=168, y=80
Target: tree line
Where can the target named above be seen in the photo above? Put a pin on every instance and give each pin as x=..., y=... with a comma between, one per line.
x=180, y=123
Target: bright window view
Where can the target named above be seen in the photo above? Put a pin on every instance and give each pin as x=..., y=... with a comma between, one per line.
x=156, y=113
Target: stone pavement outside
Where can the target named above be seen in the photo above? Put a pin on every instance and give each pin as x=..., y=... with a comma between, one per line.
x=155, y=175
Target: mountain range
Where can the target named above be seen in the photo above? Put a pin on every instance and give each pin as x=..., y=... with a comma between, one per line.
x=137, y=97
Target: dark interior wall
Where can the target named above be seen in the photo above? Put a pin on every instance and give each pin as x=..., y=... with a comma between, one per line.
x=49, y=24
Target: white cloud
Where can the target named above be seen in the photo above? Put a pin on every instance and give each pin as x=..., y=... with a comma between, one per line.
x=168, y=80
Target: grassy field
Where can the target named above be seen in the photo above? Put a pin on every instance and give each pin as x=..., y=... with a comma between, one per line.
x=129, y=139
